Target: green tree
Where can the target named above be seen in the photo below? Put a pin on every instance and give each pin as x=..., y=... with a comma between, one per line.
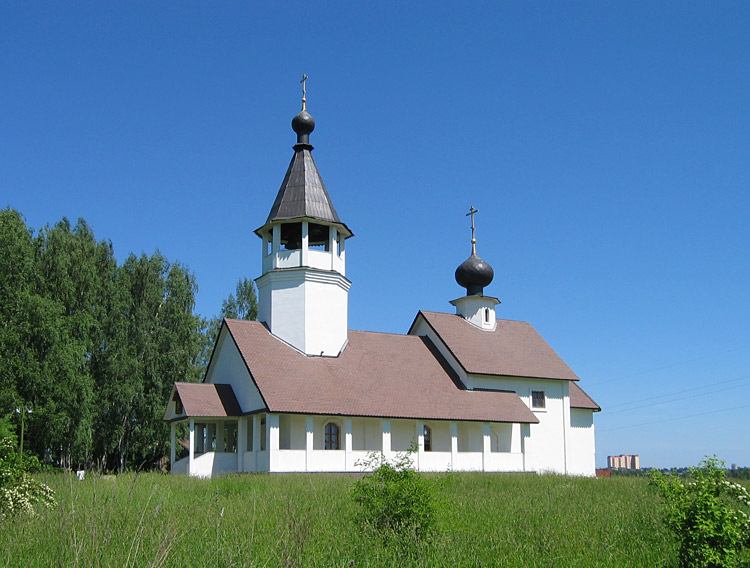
x=91, y=346
x=242, y=304
x=154, y=340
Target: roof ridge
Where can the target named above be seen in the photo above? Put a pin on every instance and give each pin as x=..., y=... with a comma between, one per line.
x=383, y=332
x=449, y=314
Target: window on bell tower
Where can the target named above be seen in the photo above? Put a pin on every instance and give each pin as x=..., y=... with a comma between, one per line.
x=291, y=236
x=318, y=236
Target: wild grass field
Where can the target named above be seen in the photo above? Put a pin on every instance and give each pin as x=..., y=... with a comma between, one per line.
x=514, y=520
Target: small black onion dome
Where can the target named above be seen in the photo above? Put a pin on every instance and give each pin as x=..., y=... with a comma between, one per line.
x=303, y=124
x=474, y=274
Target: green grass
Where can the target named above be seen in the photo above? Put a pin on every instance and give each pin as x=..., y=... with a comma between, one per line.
x=310, y=520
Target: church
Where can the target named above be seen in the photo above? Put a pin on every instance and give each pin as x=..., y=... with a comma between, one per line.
x=297, y=391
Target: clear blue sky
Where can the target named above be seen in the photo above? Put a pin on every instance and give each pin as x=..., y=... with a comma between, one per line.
x=606, y=145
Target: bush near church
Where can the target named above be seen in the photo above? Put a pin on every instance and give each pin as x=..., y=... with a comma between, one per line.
x=19, y=492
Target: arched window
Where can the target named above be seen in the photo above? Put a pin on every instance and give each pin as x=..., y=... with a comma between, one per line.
x=494, y=442
x=427, y=438
x=332, y=440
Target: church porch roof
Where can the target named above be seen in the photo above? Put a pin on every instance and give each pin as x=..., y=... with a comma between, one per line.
x=204, y=399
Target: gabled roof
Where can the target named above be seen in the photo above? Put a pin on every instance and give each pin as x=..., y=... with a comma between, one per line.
x=378, y=374
x=579, y=399
x=514, y=349
x=302, y=193
x=204, y=399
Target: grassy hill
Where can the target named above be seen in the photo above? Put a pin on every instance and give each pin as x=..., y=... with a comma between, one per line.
x=509, y=520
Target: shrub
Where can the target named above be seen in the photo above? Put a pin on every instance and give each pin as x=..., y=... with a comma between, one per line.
x=396, y=501
x=19, y=492
x=705, y=512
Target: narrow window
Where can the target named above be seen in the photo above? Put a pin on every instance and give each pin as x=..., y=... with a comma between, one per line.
x=230, y=437
x=332, y=437
x=486, y=315
x=537, y=399
x=338, y=244
x=427, y=434
x=178, y=409
x=263, y=434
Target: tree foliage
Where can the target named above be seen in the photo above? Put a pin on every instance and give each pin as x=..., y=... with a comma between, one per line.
x=91, y=346
x=242, y=304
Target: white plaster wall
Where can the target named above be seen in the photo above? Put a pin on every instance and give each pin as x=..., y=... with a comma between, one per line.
x=373, y=435
x=503, y=435
x=505, y=462
x=470, y=437
x=545, y=447
x=472, y=309
x=228, y=367
x=326, y=317
x=213, y=463
x=581, y=443
x=441, y=435
x=297, y=430
x=264, y=299
x=290, y=432
x=468, y=461
x=435, y=461
x=403, y=433
x=358, y=434
x=288, y=258
x=306, y=308
x=287, y=311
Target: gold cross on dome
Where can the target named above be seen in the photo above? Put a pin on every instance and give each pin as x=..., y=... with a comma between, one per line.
x=471, y=212
x=304, y=91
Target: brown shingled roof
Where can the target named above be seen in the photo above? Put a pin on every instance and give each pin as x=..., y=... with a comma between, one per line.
x=579, y=399
x=204, y=399
x=378, y=374
x=513, y=349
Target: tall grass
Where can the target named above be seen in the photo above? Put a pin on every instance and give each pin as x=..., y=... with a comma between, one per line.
x=310, y=520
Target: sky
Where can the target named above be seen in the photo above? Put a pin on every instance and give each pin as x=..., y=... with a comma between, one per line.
x=605, y=144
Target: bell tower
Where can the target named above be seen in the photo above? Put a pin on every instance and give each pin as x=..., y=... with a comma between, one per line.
x=303, y=292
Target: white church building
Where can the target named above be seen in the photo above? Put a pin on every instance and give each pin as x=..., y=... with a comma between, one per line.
x=297, y=391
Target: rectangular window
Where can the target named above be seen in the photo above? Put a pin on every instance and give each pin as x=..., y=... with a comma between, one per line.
x=537, y=399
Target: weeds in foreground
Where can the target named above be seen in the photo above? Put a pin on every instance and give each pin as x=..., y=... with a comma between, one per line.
x=707, y=514
x=506, y=520
x=396, y=502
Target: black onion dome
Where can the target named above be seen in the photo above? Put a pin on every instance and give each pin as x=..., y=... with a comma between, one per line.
x=303, y=124
x=474, y=274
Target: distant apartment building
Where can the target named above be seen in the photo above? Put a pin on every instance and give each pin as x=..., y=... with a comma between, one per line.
x=624, y=461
